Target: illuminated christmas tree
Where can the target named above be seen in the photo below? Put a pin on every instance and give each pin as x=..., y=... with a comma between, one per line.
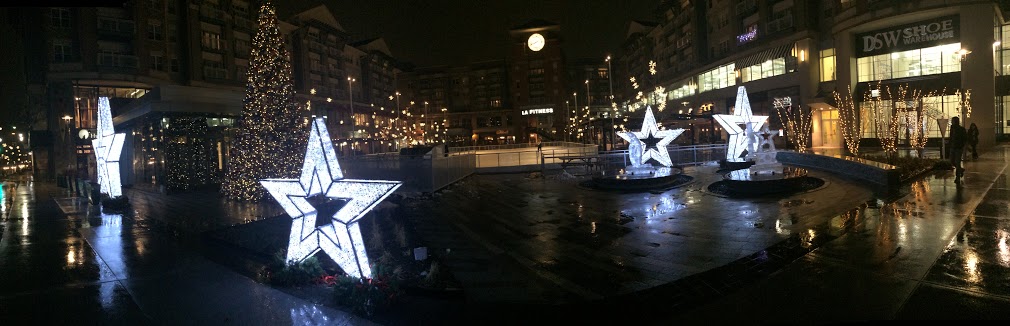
x=270, y=133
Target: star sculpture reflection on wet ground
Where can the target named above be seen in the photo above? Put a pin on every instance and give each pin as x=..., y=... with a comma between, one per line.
x=652, y=141
x=337, y=235
x=108, y=147
x=740, y=138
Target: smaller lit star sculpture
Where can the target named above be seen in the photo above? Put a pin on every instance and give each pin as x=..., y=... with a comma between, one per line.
x=108, y=147
x=651, y=141
x=740, y=138
x=337, y=234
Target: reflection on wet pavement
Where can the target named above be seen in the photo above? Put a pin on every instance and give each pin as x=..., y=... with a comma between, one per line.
x=123, y=268
x=596, y=244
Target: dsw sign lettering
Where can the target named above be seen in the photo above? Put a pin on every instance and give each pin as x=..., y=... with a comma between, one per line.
x=908, y=36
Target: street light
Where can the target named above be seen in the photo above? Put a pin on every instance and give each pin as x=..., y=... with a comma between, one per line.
x=576, y=96
x=589, y=102
x=350, y=101
x=397, y=124
x=613, y=107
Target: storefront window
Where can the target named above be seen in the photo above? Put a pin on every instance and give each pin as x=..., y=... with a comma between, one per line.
x=918, y=62
x=720, y=77
x=763, y=70
x=681, y=89
x=870, y=112
x=827, y=65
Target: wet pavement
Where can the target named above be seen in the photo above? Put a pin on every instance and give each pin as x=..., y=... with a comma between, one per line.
x=548, y=248
x=98, y=268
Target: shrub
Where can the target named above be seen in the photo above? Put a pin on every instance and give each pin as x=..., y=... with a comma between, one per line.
x=363, y=295
x=290, y=273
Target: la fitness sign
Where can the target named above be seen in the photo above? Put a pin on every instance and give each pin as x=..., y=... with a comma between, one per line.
x=917, y=35
x=538, y=111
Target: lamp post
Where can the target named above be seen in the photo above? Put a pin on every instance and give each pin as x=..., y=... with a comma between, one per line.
x=613, y=107
x=568, y=119
x=445, y=127
x=397, y=124
x=942, y=124
x=589, y=102
x=574, y=125
x=424, y=128
x=350, y=102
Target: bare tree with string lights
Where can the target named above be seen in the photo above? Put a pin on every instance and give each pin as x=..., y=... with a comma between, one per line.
x=848, y=116
x=797, y=122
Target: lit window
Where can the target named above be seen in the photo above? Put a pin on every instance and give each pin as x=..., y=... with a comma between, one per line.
x=828, y=65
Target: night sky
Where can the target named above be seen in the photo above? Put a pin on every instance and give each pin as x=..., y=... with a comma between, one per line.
x=445, y=32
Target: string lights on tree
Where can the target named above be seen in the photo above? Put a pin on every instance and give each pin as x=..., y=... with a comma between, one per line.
x=849, y=119
x=270, y=129
x=797, y=122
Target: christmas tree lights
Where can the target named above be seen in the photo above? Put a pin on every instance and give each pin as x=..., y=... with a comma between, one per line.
x=270, y=130
x=848, y=117
x=796, y=121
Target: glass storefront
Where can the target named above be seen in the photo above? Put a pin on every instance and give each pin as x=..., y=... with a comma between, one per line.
x=720, y=77
x=918, y=62
x=765, y=69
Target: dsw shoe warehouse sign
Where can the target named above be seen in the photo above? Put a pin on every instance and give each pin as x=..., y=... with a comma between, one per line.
x=917, y=35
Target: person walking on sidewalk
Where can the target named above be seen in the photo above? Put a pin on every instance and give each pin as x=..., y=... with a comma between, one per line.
x=958, y=138
x=973, y=140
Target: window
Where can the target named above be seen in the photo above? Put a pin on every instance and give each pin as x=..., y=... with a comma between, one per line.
x=59, y=17
x=918, y=62
x=154, y=31
x=172, y=32
x=158, y=61
x=720, y=77
x=602, y=73
x=214, y=70
x=211, y=40
x=240, y=73
x=827, y=65
x=242, y=47
x=62, y=51
x=174, y=64
x=763, y=70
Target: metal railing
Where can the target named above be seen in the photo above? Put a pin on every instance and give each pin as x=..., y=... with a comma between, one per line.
x=679, y=155
x=514, y=146
x=530, y=155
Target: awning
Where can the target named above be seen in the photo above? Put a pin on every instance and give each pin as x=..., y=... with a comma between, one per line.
x=760, y=57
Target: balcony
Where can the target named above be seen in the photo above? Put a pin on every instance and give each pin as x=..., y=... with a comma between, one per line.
x=215, y=73
x=244, y=23
x=315, y=46
x=746, y=8
x=116, y=26
x=123, y=61
x=213, y=14
x=780, y=24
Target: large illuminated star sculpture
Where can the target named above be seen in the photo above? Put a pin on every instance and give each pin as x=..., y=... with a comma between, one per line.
x=337, y=235
x=741, y=138
x=652, y=141
x=108, y=147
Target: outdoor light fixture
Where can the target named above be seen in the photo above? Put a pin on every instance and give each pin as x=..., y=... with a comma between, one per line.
x=740, y=138
x=640, y=152
x=340, y=238
x=108, y=148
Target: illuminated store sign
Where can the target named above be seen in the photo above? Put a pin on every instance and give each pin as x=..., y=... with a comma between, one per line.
x=538, y=111
x=917, y=35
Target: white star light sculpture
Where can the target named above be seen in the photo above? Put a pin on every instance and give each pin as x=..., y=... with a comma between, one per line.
x=740, y=138
x=653, y=148
x=340, y=238
x=108, y=146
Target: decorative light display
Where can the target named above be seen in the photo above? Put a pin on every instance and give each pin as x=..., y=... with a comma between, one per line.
x=341, y=238
x=651, y=140
x=796, y=120
x=849, y=119
x=740, y=137
x=270, y=130
x=108, y=147
x=189, y=160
